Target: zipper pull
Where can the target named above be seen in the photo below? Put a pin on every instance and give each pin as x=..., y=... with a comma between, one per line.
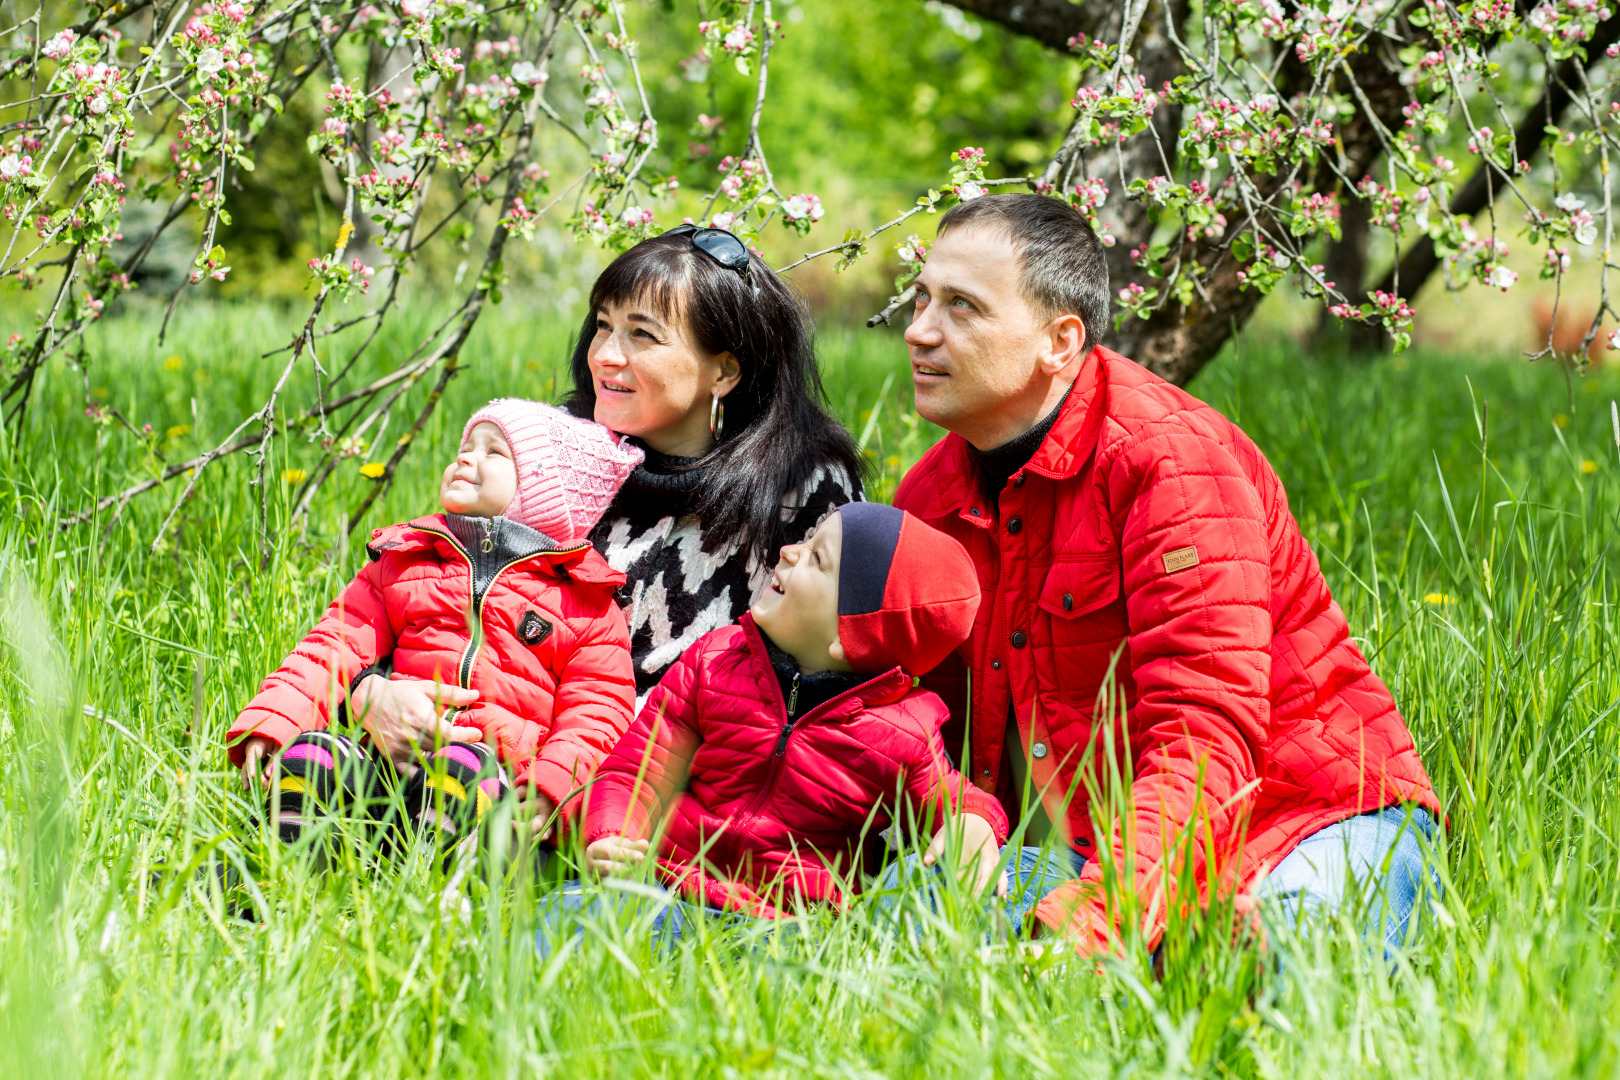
x=781, y=742
x=793, y=695
x=489, y=541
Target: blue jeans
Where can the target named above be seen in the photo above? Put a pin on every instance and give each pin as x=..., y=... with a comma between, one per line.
x=669, y=918
x=1379, y=854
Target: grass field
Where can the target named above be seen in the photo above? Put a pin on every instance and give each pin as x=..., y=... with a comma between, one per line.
x=1481, y=580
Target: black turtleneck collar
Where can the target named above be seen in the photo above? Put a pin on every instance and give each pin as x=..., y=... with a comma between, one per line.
x=815, y=688
x=662, y=486
x=996, y=466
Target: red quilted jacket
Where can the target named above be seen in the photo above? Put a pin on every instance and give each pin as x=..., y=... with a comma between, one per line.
x=1147, y=527
x=546, y=646
x=759, y=812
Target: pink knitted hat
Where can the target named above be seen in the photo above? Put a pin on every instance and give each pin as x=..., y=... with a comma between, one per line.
x=568, y=469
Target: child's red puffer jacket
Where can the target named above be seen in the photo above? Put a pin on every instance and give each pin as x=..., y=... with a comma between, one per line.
x=773, y=811
x=546, y=646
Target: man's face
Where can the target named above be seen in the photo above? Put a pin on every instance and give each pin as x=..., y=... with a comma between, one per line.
x=975, y=342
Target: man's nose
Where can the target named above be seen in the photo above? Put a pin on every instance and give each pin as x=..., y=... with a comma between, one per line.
x=921, y=331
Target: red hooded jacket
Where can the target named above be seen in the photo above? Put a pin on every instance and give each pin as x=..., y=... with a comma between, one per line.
x=1149, y=538
x=758, y=812
x=545, y=645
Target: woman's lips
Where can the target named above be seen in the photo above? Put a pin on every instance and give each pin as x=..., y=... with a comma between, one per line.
x=614, y=387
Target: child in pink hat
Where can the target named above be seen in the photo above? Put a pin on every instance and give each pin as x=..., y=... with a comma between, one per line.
x=502, y=595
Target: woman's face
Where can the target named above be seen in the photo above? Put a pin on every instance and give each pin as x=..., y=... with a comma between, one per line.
x=653, y=381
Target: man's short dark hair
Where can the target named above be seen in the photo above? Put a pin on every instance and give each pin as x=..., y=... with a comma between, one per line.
x=1065, y=271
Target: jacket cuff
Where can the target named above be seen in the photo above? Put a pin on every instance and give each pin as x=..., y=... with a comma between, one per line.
x=549, y=779
x=273, y=726
x=1074, y=910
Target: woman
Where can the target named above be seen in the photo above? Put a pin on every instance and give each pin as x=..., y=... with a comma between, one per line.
x=700, y=353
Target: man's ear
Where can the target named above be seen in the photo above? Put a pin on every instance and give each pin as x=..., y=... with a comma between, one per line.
x=730, y=374
x=1067, y=343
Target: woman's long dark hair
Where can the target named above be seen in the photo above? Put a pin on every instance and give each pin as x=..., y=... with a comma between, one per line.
x=778, y=430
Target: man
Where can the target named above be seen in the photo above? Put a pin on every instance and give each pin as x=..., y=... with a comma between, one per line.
x=1157, y=657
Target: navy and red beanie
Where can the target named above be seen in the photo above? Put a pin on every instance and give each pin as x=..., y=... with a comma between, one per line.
x=907, y=593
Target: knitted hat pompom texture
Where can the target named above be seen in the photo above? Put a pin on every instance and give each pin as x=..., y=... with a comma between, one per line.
x=907, y=593
x=568, y=469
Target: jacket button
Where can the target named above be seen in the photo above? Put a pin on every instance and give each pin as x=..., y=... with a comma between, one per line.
x=986, y=773
x=1019, y=639
x=1015, y=526
x=1018, y=481
x=1068, y=601
x=974, y=511
x=1038, y=751
x=995, y=665
x=1084, y=842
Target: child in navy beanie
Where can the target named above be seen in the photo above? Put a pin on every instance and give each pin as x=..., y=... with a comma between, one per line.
x=775, y=747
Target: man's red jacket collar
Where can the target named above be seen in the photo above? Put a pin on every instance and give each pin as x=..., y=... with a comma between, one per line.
x=1066, y=449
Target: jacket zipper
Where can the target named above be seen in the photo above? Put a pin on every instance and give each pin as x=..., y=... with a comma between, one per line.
x=476, y=638
x=787, y=728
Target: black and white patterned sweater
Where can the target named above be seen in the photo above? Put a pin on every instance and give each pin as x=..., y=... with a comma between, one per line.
x=676, y=592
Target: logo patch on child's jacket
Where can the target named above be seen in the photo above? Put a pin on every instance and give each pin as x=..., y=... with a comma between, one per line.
x=533, y=629
x=1180, y=559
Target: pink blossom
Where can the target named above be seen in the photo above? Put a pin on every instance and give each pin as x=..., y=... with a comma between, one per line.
x=802, y=206
x=58, y=46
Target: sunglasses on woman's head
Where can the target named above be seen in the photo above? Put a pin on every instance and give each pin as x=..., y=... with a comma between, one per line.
x=718, y=244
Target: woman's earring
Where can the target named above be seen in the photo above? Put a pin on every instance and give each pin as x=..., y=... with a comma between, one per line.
x=717, y=417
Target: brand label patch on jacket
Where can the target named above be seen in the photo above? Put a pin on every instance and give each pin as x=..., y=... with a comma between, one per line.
x=1180, y=559
x=533, y=629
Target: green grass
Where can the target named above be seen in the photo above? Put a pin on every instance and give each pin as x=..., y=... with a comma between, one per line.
x=1482, y=585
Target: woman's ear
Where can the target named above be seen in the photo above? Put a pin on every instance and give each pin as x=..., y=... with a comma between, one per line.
x=730, y=374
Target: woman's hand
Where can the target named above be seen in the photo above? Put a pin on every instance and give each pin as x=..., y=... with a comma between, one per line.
x=533, y=820
x=614, y=854
x=258, y=755
x=401, y=715
x=978, y=854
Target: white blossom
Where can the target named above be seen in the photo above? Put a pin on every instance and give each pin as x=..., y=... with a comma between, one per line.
x=11, y=167
x=210, y=61
x=968, y=190
x=1503, y=278
x=528, y=74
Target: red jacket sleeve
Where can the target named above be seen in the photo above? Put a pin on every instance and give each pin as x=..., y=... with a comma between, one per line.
x=1197, y=581
x=301, y=695
x=596, y=693
x=639, y=780
x=934, y=788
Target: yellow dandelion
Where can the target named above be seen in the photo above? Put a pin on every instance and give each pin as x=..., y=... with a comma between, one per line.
x=174, y=363
x=344, y=234
x=893, y=461
x=177, y=431
x=1439, y=598
x=1588, y=467
x=373, y=470
x=1561, y=421
x=293, y=476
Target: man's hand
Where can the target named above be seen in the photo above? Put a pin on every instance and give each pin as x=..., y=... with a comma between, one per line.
x=614, y=854
x=402, y=715
x=978, y=854
x=258, y=755
x=533, y=820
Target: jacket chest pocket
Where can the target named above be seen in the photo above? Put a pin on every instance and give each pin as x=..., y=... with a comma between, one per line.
x=1084, y=620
